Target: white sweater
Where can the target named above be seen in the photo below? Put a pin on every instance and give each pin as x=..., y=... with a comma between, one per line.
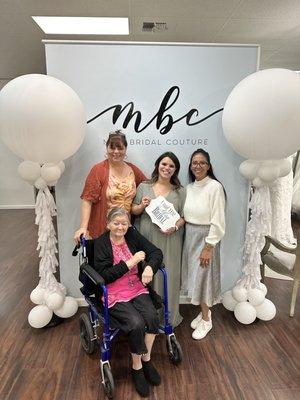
x=205, y=205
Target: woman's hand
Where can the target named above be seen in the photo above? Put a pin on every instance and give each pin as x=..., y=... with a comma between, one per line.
x=79, y=232
x=169, y=231
x=139, y=256
x=147, y=275
x=145, y=202
x=135, y=259
x=137, y=209
x=206, y=255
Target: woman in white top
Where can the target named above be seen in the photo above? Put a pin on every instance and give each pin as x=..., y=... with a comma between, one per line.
x=205, y=226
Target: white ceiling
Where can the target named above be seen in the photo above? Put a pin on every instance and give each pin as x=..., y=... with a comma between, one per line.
x=274, y=24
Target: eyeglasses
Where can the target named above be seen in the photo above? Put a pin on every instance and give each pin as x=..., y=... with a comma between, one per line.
x=200, y=163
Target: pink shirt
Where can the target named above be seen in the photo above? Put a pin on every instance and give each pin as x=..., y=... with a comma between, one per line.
x=129, y=285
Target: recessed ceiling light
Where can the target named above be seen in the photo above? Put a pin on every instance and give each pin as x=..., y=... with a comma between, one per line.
x=83, y=25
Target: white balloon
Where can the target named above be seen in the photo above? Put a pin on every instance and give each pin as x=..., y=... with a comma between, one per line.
x=69, y=308
x=41, y=118
x=249, y=169
x=257, y=182
x=245, y=313
x=268, y=173
x=285, y=167
x=61, y=166
x=37, y=296
x=228, y=301
x=39, y=316
x=239, y=293
x=261, y=118
x=54, y=300
x=50, y=172
x=29, y=170
x=256, y=296
x=263, y=287
x=266, y=310
x=40, y=183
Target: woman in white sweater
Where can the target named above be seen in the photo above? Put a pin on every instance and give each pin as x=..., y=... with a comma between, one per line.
x=205, y=226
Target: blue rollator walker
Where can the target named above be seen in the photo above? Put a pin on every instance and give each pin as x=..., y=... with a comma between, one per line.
x=93, y=289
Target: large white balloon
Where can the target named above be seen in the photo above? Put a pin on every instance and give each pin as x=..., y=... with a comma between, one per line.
x=266, y=310
x=228, y=301
x=245, y=313
x=41, y=118
x=69, y=308
x=261, y=118
x=39, y=316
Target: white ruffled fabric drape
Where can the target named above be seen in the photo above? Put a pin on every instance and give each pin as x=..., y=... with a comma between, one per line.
x=45, y=209
x=270, y=215
x=258, y=226
x=281, y=194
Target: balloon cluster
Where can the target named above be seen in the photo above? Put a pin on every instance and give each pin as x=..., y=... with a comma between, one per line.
x=261, y=122
x=250, y=304
x=264, y=173
x=41, y=176
x=49, y=303
x=42, y=120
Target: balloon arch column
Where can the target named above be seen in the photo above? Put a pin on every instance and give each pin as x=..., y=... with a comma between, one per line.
x=261, y=121
x=42, y=120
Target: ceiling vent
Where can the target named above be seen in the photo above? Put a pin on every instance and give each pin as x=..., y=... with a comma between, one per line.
x=154, y=27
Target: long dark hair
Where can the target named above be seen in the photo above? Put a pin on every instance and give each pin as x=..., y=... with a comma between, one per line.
x=174, y=178
x=210, y=171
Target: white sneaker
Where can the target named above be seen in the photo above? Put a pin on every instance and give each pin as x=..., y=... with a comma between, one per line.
x=202, y=329
x=196, y=321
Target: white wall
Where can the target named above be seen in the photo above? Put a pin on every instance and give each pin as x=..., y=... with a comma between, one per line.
x=14, y=192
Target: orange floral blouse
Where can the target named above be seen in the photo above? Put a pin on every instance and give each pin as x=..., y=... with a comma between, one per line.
x=120, y=192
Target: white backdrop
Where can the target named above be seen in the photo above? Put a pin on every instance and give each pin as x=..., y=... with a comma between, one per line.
x=108, y=74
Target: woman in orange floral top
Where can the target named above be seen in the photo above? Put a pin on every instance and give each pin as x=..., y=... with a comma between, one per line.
x=110, y=183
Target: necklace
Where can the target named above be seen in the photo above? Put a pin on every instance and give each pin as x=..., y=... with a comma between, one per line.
x=131, y=280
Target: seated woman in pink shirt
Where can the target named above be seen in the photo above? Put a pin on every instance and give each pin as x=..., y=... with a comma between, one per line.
x=127, y=262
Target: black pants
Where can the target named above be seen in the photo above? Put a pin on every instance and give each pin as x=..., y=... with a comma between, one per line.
x=133, y=317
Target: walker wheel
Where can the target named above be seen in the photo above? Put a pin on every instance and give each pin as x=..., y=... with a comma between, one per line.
x=174, y=350
x=86, y=334
x=108, y=384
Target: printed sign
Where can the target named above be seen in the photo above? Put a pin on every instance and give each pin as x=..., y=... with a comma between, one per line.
x=162, y=213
